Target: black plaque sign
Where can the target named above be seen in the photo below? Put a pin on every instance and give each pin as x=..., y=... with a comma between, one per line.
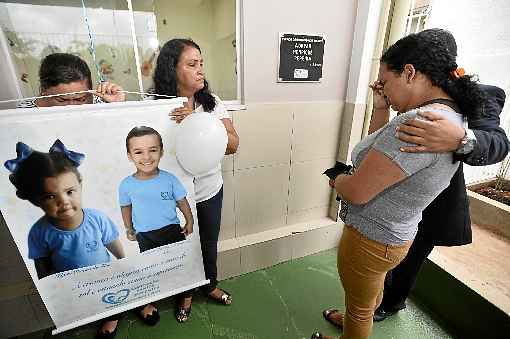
x=301, y=57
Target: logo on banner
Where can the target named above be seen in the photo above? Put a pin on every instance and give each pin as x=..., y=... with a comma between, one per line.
x=115, y=298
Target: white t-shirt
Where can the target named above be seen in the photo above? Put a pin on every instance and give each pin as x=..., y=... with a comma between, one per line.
x=209, y=184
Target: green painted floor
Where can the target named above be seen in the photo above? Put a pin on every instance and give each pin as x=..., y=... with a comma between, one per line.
x=284, y=301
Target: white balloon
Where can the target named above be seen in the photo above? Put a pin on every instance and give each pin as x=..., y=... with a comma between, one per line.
x=200, y=143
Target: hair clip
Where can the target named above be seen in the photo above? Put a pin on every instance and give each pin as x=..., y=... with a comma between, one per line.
x=75, y=157
x=458, y=73
x=23, y=151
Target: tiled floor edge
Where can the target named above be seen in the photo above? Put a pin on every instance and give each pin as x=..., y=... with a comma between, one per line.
x=276, y=246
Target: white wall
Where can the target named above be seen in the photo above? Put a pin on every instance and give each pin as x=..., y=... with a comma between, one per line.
x=277, y=202
x=264, y=19
x=483, y=40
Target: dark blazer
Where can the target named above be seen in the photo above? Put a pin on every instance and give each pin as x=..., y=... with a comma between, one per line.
x=446, y=221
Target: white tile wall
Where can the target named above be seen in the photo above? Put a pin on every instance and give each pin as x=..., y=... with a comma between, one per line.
x=261, y=198
x=265, y=133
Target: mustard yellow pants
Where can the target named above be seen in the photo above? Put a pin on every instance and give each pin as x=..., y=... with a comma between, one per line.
x=362, y=266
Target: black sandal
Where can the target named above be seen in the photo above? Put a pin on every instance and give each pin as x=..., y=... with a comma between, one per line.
x=225, y=299
x=182, y=314
x=151, y=319
x=316, y=335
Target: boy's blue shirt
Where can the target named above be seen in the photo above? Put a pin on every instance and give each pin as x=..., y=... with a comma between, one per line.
x=84, y=246
x=153, y=201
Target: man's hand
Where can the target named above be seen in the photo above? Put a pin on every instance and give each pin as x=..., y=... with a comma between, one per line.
x=435, y=135
x=110, y=92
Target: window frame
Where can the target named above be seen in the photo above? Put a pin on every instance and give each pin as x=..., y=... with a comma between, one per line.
x=231, y=105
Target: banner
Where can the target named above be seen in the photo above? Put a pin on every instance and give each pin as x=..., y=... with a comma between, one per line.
x=83, y=295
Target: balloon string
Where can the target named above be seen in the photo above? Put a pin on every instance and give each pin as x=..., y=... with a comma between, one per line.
x=92, y=48
x=87, y=91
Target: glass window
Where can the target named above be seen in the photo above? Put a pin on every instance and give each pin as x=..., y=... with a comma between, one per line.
x=418, y=15
x=212, y=25
x=34, y=29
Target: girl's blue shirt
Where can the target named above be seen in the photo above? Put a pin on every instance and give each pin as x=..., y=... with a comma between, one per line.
x=81, y=247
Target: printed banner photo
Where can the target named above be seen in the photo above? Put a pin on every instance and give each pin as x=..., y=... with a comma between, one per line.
x=85, y=294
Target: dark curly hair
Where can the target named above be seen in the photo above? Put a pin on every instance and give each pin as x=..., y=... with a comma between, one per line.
x=31, y=173
x=444, y=35
x=165, y=78
x=433, y=53
x=63, y=68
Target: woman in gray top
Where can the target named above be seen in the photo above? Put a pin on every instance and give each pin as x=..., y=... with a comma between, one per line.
x=383, y=199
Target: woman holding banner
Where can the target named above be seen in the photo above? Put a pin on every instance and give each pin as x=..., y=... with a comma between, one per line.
x=179, y=72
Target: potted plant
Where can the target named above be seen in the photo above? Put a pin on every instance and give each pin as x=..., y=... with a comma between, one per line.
x=498, y=189
x=490, y=202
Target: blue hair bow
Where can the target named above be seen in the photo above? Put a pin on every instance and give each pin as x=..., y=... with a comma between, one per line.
x=75, y=157
x=23, y=151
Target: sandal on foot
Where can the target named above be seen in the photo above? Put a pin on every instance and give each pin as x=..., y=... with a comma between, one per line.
x=100, y=334
x=327, y=315
x=224, y=299
x=319, y=335
x=182, y=314
x=150, y=319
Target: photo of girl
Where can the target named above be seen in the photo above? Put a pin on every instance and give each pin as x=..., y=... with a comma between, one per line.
x=67, y=236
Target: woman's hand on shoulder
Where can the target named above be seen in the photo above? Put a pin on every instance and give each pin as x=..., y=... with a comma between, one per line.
x=110, y=92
